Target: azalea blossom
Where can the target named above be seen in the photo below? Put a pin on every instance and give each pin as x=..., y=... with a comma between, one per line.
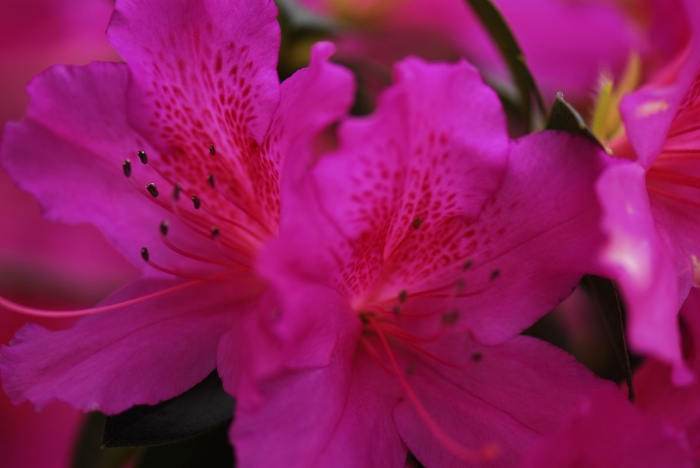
x=407, y=261
x=425, y=233
x=651, y=204
x=205, y=111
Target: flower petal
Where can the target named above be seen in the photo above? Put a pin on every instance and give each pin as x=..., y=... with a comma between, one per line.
x=608, y=431
x=529, y=253
x=339, y=415
x=141, y=354
x=205, y=74
x=72, y=164
x=411, y=171
x=509, y=395
x=298, y=325
x=311, y=100
x=640, y=258
x=649, y=111
x=656, y=393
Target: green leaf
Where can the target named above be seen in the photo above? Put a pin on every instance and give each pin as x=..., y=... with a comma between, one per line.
x=210, y=450
x=202, y=408
x=565, y=118
x=504, y=39
x=607, y=298
x=88, y=451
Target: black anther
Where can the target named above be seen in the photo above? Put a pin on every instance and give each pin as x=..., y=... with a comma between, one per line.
x=126, y=165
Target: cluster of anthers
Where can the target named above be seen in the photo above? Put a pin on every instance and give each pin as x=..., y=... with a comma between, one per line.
x=236, y=241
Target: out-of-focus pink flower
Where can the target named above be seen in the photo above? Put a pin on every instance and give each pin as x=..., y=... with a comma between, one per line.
x=609, y=431
x=566, y=44
x=35, y=34
x=201, y=101
x=656, y=393
x=426, y=228
x=652, y=204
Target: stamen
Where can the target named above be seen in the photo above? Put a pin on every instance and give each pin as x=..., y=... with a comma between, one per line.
x=197, y=201
x=200, y=258
x=665, y=157
x=373, y=352
x=232, y=223
x=403, y=295
x=164, y=228
x=126, y=166
x=146, y=257
x=194, y=223
x=673, y=196
x=436, y=293
x=673, y=177
x=450, y=318
x=240, y=207
x=683, y=131
x=680, y=150
x=44, y=313
x=403, y=334
x=152, y=189
x=487, y=453
x=430, y=355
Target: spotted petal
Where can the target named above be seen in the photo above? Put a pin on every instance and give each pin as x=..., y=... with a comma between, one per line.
x=505, y=397
x=73, y=164
x=204, y=73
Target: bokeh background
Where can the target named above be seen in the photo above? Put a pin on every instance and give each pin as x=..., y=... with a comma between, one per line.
x=46, y=264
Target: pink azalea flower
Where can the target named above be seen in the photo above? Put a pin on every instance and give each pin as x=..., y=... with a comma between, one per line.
x=482, y=234
x=651, y=205
x=567, y=44
x=426, y=229
x=609, y=431
x=207, y=107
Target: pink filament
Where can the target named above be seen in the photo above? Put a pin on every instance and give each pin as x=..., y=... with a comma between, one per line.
x=33, y=312
x=455, y=448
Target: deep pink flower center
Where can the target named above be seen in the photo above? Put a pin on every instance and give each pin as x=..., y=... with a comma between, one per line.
x=384, y=319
